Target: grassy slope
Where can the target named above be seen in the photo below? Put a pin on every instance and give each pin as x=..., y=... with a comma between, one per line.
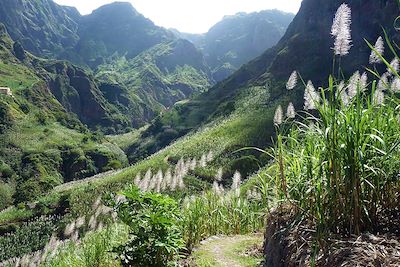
x=249, y=126
x=38, y=132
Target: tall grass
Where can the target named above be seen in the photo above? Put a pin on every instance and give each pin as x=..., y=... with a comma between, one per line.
x=219, y=213
x=341, y=166
x=94, y=250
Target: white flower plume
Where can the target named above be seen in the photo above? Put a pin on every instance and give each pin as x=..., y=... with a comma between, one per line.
x=341, y=30
x=342, y=92
x=380, y=49
x=394, y=67
x=292, y=82
x=278, y=117
x=291, y=113
x=353, y=84
x=379, y=97
x=363, y=82
x=395, y=86
x=311, y=97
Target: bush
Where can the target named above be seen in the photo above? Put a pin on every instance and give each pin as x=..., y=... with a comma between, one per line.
x=113, y=165
x=6, y=195
x=155, y=239
x=5, y=171
x=29, y=237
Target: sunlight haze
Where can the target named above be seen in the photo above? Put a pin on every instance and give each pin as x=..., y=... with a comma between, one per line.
x=192, y=16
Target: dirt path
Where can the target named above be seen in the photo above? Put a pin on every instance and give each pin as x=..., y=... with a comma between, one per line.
x=228, y=251
x=99, y=176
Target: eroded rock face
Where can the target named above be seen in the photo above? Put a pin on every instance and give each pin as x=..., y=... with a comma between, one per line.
x=77, y=92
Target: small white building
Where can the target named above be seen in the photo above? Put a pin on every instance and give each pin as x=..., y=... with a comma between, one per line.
x=6, y=91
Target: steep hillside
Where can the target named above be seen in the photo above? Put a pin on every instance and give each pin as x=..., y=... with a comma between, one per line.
x=239, y=38
x=305, y=47
x=42, y=144
x=42, y=27
x=129, y=94
x=159, y=77
x=116, y=29
x=48, y=29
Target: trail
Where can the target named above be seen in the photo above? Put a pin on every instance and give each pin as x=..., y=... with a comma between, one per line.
x=228, y=251
x=99, y=176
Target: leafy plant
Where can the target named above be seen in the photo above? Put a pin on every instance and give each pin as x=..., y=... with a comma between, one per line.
x=154, y=236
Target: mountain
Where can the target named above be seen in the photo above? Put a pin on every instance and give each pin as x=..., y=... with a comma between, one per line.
x=116, y=29
x=97, y=42
x=305, y=47
x=42, y=27
x=44, y=144
x=49, y=30
x=239, y=38
x=136, y=69
x=159, y=77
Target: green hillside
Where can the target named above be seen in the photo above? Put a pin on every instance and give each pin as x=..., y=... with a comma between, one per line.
x=42, y=144
x=208, y=166
x=157, y=78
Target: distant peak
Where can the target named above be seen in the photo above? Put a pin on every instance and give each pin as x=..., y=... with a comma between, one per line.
x=117, y=7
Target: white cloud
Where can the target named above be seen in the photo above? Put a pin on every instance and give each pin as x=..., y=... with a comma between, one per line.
x=194, y=16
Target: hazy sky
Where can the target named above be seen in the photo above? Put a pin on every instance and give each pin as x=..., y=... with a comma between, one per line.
x=193, y=16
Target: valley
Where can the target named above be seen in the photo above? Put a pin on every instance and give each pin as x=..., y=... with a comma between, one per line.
x=124, y=143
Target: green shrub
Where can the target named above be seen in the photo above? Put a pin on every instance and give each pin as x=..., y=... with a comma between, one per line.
x=5, y=172
x=6, y=195
x=29, y=237
x=155, y=239
x=113, y=165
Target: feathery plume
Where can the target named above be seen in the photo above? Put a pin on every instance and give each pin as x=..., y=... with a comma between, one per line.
x=380, y=49
x=193, y=164
x=100, y=226
x=181, y=184
x=363, y=82
x=292, y=82
x=311, y=97
x=379, y=97
x=174, y=182
x=159, y=180
x=394, y=64
x=210, y=156
x=167, y=179
x=144, y=184
x=152, y=184
x=341, y=30
x=278, y=117
x=137, y=179
x=353, y=84
x=383, y=83
x=69, y=229
x=188, y=165
x=395, y=85
x=203, y=161
x=216, y=188
x=75, y=236
x=236, y=181
x=92, y=222
x=341, y=91
x=97, y=203
x=290, y=112
x=80, y=222
x=218, y=176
